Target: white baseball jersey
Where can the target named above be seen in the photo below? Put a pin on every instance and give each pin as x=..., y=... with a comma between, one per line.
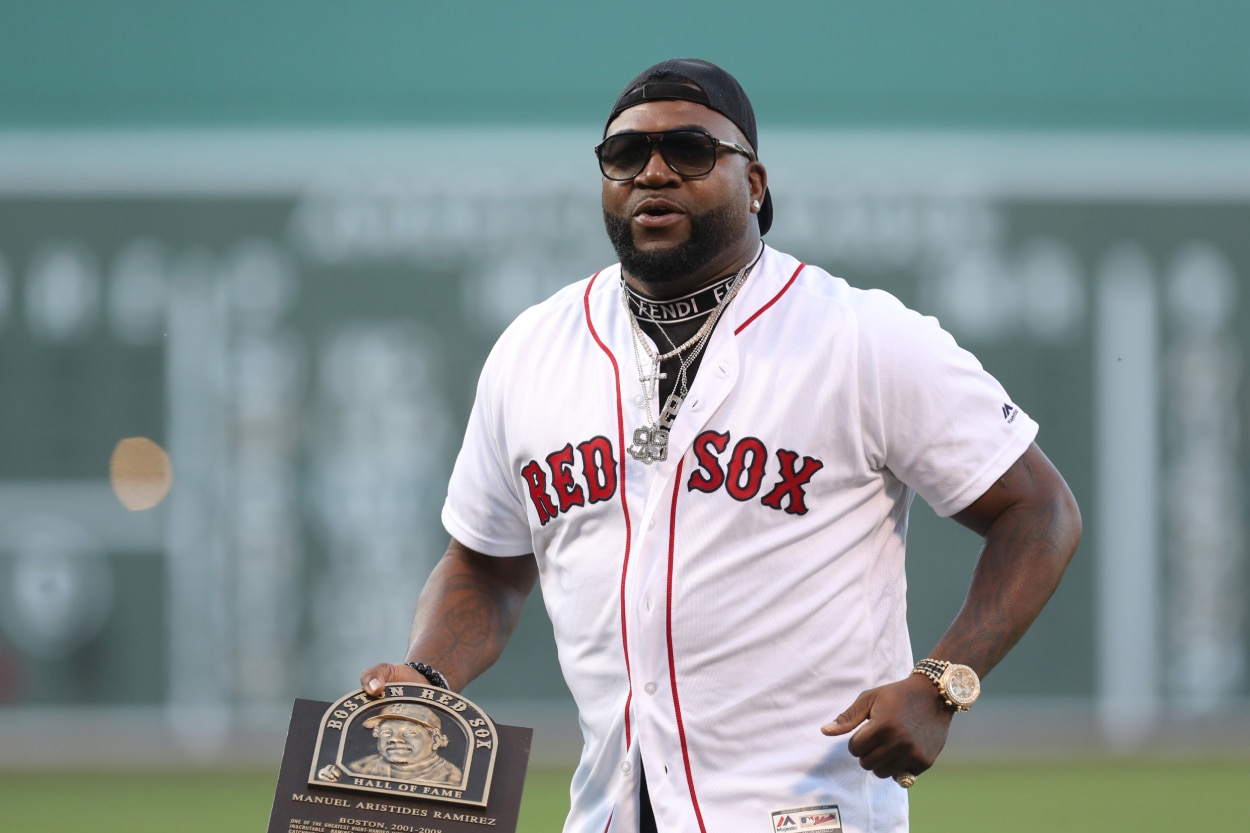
x=714, y=610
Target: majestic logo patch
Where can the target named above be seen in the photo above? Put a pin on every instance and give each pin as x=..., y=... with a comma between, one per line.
x=1010, y=412
x=823, y=819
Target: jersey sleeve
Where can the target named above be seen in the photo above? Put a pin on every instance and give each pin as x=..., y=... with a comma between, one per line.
x=932, y=414
x=483, y=509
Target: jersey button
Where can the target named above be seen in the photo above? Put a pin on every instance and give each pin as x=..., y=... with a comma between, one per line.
x=649, y=688
x=627, y=767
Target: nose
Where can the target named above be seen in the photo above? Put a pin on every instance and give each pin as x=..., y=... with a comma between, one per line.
x=656, y=173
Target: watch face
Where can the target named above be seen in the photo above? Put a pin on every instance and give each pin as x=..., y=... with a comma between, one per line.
x=962, y=685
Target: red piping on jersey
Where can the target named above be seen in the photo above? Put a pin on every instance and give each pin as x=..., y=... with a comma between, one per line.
x=620, y=444
x=774, y=300
x=672, y=666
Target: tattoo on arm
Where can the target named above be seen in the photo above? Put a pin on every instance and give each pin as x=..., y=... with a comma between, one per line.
x=467, y=612
x=474, y=619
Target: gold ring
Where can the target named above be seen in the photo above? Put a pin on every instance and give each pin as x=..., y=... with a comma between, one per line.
x=905, y=780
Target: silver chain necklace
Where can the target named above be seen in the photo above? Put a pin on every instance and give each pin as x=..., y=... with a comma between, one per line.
x=650, y=442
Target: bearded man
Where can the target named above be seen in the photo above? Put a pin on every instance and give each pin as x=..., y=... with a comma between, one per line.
x=707, y=454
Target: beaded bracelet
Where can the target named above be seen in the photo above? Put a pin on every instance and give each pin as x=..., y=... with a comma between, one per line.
x=430, y=674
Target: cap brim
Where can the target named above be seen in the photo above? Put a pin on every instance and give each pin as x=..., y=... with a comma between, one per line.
x=376, y=719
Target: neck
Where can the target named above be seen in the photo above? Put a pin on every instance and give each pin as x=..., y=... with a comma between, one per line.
x=692, y=306
x=728, y=264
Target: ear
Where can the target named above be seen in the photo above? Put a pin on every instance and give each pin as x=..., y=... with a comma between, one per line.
x=757, y=178
x=440, y=740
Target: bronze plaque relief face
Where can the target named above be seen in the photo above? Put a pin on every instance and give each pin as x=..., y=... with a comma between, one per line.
x=416, y=758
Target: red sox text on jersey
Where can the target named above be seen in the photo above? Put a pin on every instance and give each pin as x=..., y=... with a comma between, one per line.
x=554, y=487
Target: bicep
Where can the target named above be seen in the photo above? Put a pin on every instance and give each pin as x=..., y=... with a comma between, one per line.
x=1030, y=484
x=517, y=573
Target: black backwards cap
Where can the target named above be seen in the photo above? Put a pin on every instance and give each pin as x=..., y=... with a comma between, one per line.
x=717, y=90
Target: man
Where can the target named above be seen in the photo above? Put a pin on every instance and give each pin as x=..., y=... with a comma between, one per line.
x=707, y=454
x=409, y=737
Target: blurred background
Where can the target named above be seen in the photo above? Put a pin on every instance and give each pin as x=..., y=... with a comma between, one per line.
x=252, y=255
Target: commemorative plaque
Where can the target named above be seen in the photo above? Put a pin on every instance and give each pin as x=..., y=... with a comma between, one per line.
x=418, y=759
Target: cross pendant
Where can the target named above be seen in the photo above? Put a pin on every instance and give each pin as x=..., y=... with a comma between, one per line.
x=653, y=376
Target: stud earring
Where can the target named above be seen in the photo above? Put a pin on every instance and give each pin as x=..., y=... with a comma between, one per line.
x=755, y=204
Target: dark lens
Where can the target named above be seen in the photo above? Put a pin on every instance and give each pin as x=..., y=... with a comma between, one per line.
x=623, y=156
x=689, y=152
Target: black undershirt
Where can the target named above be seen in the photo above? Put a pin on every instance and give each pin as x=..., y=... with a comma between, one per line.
x=677, y=333
x=672, y=322
x=646, y=817
x=666, y=338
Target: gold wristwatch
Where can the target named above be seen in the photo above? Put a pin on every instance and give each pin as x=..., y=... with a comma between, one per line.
x=959, y=685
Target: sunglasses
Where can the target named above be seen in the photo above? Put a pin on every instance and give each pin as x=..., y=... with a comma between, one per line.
x=687, y=152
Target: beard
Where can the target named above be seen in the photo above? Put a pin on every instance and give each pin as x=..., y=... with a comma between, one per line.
x=710, y=234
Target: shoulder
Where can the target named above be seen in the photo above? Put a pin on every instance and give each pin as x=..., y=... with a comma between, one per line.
x=811, y=291
x=868, y=330
x=558, y=326
x=564, y=309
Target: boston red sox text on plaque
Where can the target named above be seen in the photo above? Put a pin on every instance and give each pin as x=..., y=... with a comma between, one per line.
x=418, y=759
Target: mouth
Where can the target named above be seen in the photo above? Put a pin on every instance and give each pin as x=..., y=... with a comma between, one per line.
x=658, y=214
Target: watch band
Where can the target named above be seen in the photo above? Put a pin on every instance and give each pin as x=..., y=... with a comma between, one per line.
x=935, y=670
x=931, y=668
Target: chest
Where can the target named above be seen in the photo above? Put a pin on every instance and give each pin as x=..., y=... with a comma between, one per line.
x=768, y=422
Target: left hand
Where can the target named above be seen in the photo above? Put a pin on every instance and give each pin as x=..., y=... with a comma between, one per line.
x=904, y=727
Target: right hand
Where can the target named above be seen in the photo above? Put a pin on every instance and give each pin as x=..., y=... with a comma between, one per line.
x=898, y=728
x=374, y=678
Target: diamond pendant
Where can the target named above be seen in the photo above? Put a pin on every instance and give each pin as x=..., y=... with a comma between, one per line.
x=650, y=444
x=651, y=441
x=669, y=415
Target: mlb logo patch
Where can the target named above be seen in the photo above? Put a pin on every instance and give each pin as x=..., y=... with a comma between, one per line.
x=823, y=819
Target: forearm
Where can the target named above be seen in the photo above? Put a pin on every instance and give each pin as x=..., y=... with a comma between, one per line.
x=1027, y=548
x=467, y=611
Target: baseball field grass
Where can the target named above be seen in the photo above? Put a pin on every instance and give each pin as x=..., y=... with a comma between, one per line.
x=1101, y=797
